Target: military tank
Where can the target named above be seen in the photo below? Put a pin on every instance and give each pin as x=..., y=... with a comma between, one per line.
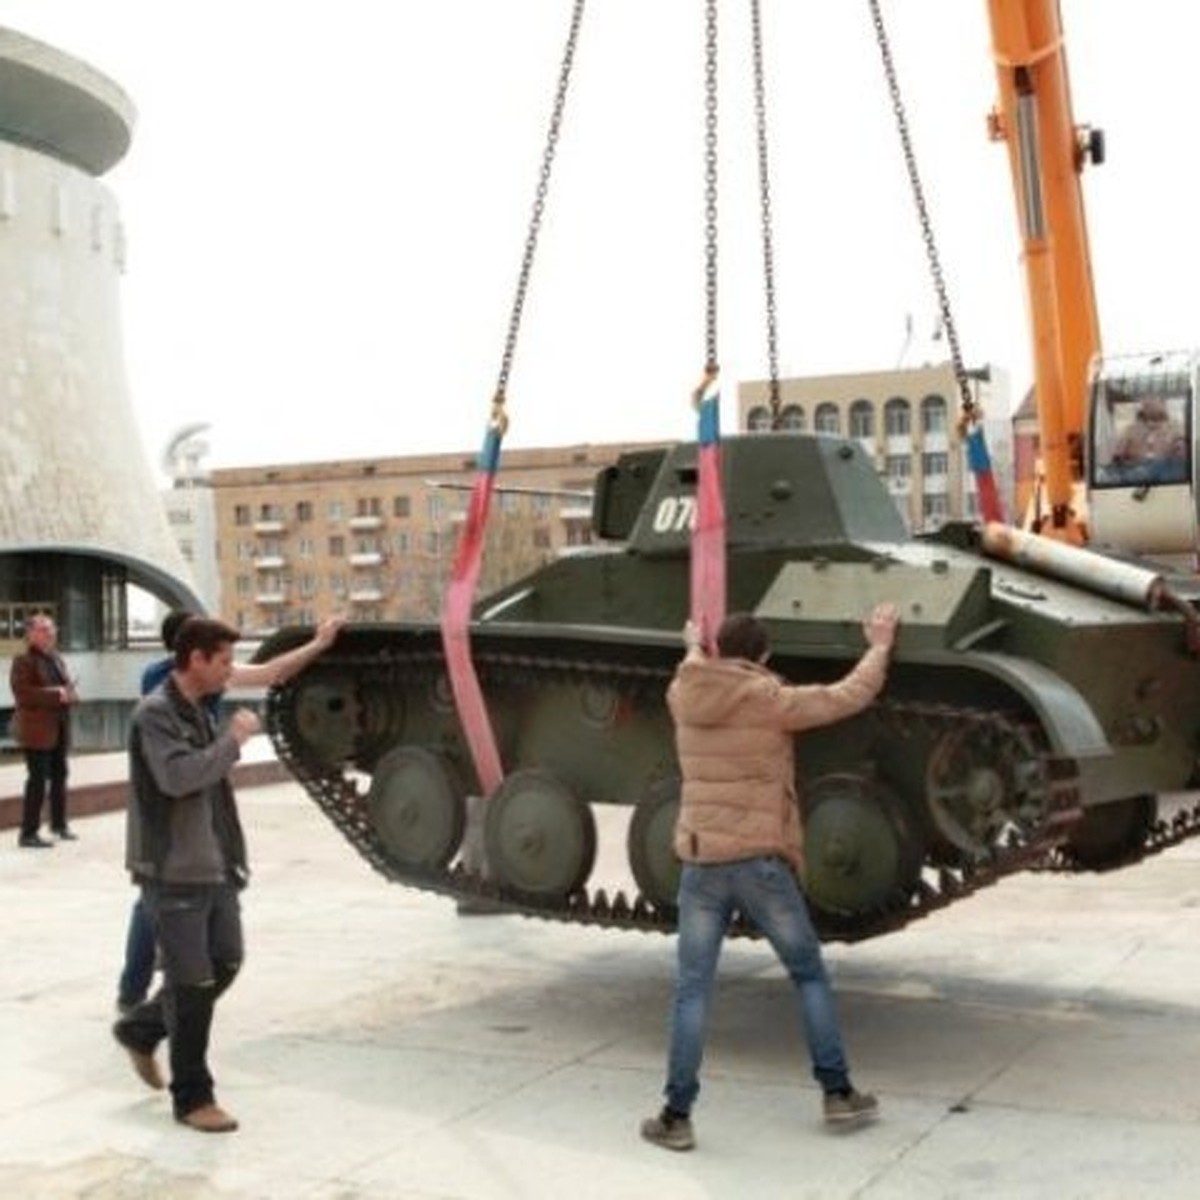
x=1040, y=698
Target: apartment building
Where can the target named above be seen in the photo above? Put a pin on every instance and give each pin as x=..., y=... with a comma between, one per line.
x=375, y=538
x=907, y=421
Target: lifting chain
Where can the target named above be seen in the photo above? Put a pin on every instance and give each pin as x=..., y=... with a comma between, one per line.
x=764, y=200
x=711, y=366
x=539, y=206
x=969, y=407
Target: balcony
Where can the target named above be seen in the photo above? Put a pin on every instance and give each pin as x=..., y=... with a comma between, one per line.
x=364, y=522
x=575, y=512
x=270, y=599
x=936, y=485
x=369, y=558
x=266, y=528
x=371, y=595
x=899, y=485
x=268, y=562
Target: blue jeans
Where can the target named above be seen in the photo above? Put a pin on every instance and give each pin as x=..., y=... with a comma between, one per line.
x=140, y=952
x=765, y=891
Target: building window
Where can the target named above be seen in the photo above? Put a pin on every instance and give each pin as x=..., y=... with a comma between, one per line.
x=368, y=506
x=897, y=417
x=933, y=414
x=935, y=464
x=758, y=419
x=337, y=586
x=334, y=511
x=400, y=542
x=935, y=508
x=541, y=538
x=337, y=546
x=305, y=547
x=435, y=507
x=270, y=512
x=792, y=418
x=304, y=510
x=306, y=585
x=827, y=419
x=245, y=550
x=401, y=506
x=898, y=466
x=241, y=514
x=541, y=504
x=862, y=419
x=243, y=585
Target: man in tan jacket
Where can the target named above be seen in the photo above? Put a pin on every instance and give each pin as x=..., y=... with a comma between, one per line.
x=739, y=838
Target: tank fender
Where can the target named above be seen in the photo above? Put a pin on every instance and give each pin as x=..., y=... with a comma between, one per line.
x=1070, y=724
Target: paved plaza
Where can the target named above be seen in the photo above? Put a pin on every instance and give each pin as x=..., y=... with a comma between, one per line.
x=1038, y=1040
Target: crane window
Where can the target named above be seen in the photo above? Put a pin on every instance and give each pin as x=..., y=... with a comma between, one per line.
x=1140, y=433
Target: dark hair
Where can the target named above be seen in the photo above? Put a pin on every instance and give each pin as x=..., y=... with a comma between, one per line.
x=742, y=636
x=171, y=624
x=203, y=634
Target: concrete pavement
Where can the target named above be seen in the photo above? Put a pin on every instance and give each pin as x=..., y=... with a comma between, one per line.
x=1038, y=1040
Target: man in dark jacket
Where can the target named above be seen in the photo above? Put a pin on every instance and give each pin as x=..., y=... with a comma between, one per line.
x=740, y=840
x=44, y=693
x=184, y=846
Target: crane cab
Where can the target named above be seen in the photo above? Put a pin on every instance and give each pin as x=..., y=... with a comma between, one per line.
x=1142, y=454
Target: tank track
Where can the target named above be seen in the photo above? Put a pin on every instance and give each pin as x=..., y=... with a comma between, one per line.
x=339, y=796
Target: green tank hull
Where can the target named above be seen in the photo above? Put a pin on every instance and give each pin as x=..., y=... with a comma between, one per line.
x=1028, y=719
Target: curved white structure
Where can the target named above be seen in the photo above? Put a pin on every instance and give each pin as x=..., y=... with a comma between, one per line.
x=80, y=515
x=74, y=479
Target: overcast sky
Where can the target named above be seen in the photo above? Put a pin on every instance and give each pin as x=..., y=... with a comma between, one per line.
x=326, y=206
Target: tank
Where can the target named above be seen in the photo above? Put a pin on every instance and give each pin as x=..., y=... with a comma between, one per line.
x=1040, y=698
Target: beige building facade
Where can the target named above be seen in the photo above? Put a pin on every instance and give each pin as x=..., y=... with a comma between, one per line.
x=907, y=421
x=374, y=539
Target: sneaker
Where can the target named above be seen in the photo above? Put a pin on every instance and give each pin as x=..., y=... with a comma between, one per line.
x=208, y=1118
x=669, y=1130
x=849, y=1105
x=32, y=841
x=65, y=835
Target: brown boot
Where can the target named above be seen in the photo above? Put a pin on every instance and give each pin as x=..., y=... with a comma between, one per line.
x=143, y=1061
x=208, y=1118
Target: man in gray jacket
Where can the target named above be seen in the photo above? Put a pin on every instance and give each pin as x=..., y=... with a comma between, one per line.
x=185, y=848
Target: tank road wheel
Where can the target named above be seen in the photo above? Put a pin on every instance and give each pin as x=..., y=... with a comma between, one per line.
x=418, y=807
x=862, y=853
x=1110, y=835
x=538, y=836
x=328, y=716
x=650, y=844
x=985, y=779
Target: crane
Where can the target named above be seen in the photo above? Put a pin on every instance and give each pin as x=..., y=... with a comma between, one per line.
x=1116, y=432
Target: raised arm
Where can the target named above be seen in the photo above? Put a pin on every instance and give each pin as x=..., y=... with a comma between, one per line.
x=283, y=666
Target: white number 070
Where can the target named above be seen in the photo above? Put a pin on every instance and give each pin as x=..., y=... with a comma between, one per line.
x=675, y=514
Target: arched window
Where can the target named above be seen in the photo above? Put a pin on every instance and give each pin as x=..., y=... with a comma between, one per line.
x=792, y=418
x=862, y=419
x=897, y=417
x=827, y=419
x=933, y=414
x=758, y=419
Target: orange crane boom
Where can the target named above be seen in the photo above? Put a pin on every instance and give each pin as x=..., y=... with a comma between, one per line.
x=1047, y=153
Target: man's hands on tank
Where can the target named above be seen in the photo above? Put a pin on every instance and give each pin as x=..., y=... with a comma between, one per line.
x=880, y=627
x=244, y=724
x=327, y=631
